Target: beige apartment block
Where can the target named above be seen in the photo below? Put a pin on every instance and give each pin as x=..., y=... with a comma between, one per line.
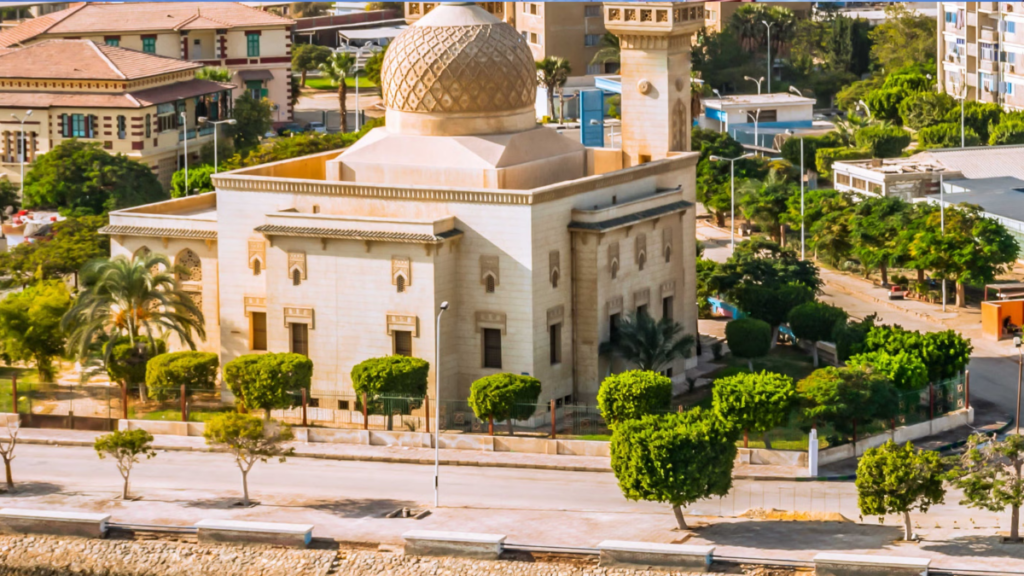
x=570, y=30
x=255, y=45
x=718, y=14
x=128, y=102
x=539, y=245
x=980, y=51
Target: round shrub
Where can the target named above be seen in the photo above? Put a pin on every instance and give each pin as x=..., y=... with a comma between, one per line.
x=396, y=375
x=748, y=338
x=268, y=381
x=754, y=402
x=632, y=395
x=166, y=373
x=504, y=397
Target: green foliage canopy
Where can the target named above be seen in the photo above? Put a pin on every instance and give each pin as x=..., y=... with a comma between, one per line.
x=30, y=328
x=504, y=397
x=632, y=395
x=167, y=373
x=894, y=479
x=268, y=381
x=754, y=402
x=748, y=338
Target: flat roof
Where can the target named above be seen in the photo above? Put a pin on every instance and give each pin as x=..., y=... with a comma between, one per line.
x=1002, y=197
x=373, y=33
x=980, y=161
x=910, y=165
x=776, y=99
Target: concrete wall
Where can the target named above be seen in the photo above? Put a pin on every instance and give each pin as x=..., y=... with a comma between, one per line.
x=899, y=435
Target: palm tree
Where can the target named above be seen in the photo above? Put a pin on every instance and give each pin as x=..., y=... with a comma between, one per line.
x=609, y=50
x=136, y=299
x=552, y=72
x=647, y=343
x=338, y=67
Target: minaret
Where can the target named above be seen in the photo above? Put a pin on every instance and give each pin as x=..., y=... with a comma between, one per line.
x=655, y=66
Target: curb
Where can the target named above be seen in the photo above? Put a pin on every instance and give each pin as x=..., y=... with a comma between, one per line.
x=348, y=457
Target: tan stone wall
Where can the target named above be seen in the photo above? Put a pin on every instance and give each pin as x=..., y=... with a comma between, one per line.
x=657, y=120
x=562, y=28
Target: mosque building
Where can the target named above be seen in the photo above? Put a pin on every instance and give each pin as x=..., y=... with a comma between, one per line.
x=540, y=245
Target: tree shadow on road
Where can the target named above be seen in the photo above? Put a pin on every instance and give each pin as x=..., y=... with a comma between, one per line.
x=990, y=546
x=362, y=507
x=30, y=489
x=799, y=535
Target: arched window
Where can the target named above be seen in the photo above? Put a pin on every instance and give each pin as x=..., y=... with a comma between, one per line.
x=296, y=277
x=642, y=260
x=141, y=253
x=668, y=254
x=554, y=278
x=190, y=267
x=490, y=284
x=256, y=267
x=149, y=125
x=615, y=269
x=400, y=283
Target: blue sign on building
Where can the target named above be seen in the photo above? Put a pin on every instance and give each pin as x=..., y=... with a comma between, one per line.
x=592, y=118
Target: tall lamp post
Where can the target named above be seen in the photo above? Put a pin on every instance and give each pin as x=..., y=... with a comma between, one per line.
x=721, y=108
x=184, y=133
x=756, y=116
x=732, y=191
x=803, y=174
x=756, y=80
x=961, y=95
x=355, y=71
x=769, y=27
x=24, y=150
x=215, y=123
x=437, y=404
x=1020, y=376
x=942, y=228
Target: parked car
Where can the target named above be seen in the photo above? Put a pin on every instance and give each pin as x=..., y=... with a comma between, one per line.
x=316, y=127
x=289, y=128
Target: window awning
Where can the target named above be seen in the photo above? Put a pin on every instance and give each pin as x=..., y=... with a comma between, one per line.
x=249, y=75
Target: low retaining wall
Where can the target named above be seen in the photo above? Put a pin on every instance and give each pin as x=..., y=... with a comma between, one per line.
x=865, y=565
x=254, y=533
x=163, y=427
x=53, y=523
x=900, y=435
x=458, y=544
x=764, y=457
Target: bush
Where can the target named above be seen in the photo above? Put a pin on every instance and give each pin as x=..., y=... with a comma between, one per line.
x=925, y=109
x=849, y=337
x=166, y=373
x=391, y=376
x=748, y=338
x=632, y=395
x=825, y=157
x=909, y=81
x=791, y=148
x=1008, y=131
x=127, y=363
x=504, y=397
x=754, y=402
x=199, y=181
x=885, y=103
x=268, y=381
x=883, y=141
x=677, y=459
x=904, y=369
x=977, y=115
x=946, y=135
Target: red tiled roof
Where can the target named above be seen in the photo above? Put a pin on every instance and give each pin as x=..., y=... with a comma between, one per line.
x=86, y=60
x=172, y=92
x=141, y=99
x=97, y=17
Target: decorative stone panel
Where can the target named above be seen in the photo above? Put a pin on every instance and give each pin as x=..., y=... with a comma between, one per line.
x=496, y=320
x=299, y=315
x=255, y=304
x=297, y=261
x=258, y=253
x=641, y=298
x=554, y=267
x=613, y=258
x=189, y=265
x=668, y=288
x=614, y=305
x=556, y=315
x=640, y=249
x=401, y=266
x=666, y=243
x=404, y=322
x=489, y=267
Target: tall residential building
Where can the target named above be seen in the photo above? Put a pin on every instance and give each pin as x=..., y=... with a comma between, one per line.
x=254, y=45
x=571, y=30
x=126, y=101
x=718, y=14
x=978, y=49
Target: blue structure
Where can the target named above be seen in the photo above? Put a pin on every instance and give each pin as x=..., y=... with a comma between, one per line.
x=592, y=118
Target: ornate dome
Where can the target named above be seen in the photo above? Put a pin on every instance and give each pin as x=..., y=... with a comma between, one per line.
x=459, y=59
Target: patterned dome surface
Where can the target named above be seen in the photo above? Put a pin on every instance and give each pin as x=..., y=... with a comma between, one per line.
x=459, y=59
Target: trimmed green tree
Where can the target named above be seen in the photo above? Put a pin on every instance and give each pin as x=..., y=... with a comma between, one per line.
x=127, y=361
x=167, y=373
x=249, y=441
x=904, y=369
x=894, y=479
x=306, y=57
x=1010, y=130
x=200, y=180
x=842, y=397
x=923, y=109
x=989, y=474
x=883, y=141
x=268, y=381
x=30, y=326
x=678, y=458
x=504, y=396
x=754, y=402
x=127, y=448
x=632, y=395
x=81, y=178
x=945, y=354
x=254, y=118
x=748, y=339
x=815, y=322
x=771, y=304
x=400, y=377
x=947, y=135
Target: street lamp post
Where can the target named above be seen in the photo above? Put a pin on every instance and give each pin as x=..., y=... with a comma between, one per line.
x=184, y=133
x=721, y=108
x=359, y=54
x=942, y=227
x=961, y=95
x=756, y=116
x=1020, y=376
x=757, y=81
x=215, y=123
x=769, y=26
x=437, y=404
x=732, y=192
x=861, y=103
x=24, y=150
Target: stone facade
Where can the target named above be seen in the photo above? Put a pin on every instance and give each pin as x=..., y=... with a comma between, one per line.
x=361, y=248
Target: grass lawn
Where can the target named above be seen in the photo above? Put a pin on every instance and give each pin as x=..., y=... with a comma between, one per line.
x=783, y=359
x=195, y=414
x=325, y=84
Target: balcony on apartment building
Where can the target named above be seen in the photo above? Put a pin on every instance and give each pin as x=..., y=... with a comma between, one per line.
x=203, y=46
x=988, y=6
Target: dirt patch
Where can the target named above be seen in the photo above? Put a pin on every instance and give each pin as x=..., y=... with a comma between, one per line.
x=791, y=516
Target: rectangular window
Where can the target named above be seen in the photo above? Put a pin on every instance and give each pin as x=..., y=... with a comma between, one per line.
x=533, y=37
x=403, y=342
x=252, y=44
x=555, y=343
x=1011, y=27
x=78, y=123
x=843, y=179
x=642, y=310
x=258, y=326
x=595, y=69
x=859, y=184
x=988, y=50
x=613, y=326
x=112, y=41
x=591, y=11
x=492, y=348
x=950, y=17
x=149, y=44
x=149, y=125
x=300, y=339
x=533, y=8
x=591, y=39
x=255, y=88
x=667, y=308
x=122, y=127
